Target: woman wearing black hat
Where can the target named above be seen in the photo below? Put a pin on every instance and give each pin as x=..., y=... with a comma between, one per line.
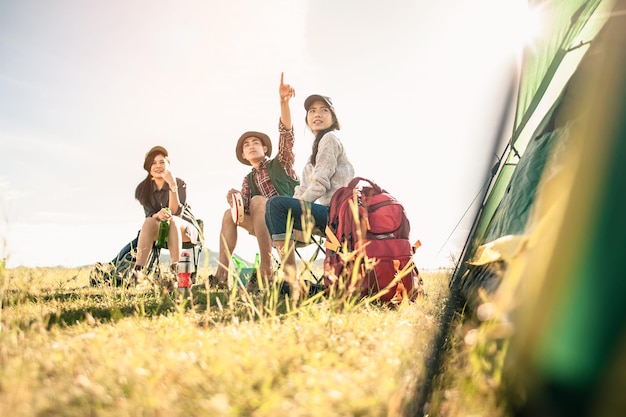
x=327, y=170
x=158, y=191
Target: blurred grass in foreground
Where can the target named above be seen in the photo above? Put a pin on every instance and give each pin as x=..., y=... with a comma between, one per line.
x=68, y=349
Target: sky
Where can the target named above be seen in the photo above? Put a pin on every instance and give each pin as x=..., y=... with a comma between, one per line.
x=86, y=88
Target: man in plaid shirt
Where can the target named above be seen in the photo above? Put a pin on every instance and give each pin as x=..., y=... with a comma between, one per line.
x=268, y=177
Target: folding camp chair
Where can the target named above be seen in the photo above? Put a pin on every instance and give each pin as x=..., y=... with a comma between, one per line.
x=316, y=280
x=316, y=238
x=153, y=265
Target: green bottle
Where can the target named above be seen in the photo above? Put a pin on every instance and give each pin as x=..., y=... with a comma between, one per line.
x=164, y=230
x=257, y=262
x=242, y=270
x=238, y=263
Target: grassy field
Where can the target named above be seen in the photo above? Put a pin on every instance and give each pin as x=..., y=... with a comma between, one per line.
x=67, y=349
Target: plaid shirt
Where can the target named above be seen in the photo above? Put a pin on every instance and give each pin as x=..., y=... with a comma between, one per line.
x=261, y=175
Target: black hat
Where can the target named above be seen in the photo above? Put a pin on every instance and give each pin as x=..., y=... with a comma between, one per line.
x=312, y=98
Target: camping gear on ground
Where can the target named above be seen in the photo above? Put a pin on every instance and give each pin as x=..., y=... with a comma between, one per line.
x=184, y=270
x=242, y=272
x=112, y=273
x=368, y=230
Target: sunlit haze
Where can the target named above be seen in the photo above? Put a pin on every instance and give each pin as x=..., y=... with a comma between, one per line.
x=88, y=87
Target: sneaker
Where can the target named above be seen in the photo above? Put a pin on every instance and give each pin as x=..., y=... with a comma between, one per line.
x=169, y=279
x=169, y=284
x=315, y=288
x=252, y=286
x=284, y=288
x=220, y=284
x=140, y=280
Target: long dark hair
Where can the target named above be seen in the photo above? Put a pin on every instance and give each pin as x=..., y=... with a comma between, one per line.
x=321, y=133
x=144, y=190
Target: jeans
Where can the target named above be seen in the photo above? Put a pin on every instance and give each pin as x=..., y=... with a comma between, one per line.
x=278, y=207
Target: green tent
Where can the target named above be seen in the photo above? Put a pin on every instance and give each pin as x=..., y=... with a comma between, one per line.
x=547, y=241
x=547, y=65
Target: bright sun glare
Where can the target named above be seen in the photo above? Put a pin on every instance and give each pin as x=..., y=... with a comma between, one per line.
x=519, y=26
x=529, y=25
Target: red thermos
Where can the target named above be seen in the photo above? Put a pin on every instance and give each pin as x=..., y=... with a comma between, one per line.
x=184, y=270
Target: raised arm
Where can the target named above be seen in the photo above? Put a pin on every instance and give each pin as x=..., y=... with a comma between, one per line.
x=286, y=92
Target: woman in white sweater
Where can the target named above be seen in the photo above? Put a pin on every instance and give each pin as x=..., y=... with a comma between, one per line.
x=327, y=170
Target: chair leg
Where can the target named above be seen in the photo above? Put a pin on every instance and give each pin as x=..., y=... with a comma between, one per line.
x=307, y=264
x=153, y=265
x=196, y=251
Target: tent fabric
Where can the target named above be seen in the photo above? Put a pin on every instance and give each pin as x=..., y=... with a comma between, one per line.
x=572, y=27
x=568, y=284
x=565, y=21
x=563, y=203
x=512, y=213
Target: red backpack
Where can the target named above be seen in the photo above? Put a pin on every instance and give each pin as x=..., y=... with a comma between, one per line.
x=367, y=244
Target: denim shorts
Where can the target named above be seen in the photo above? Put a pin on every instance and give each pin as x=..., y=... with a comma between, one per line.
x=278, y=208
